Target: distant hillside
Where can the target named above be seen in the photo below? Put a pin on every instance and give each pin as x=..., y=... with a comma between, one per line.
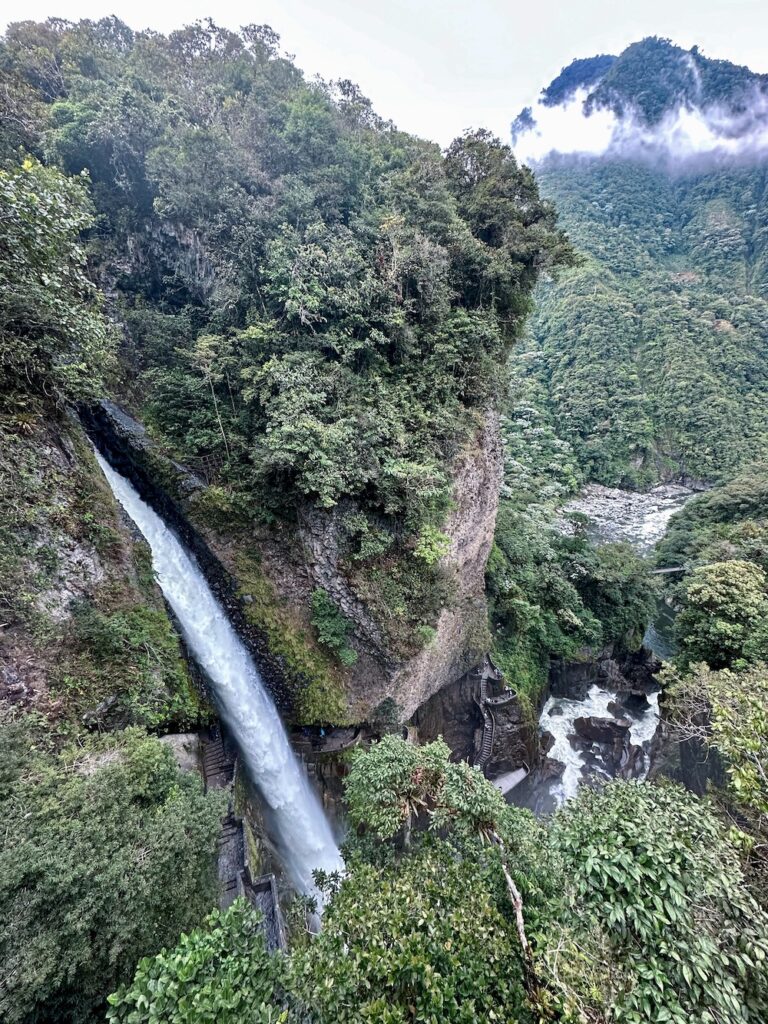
x=653, y=355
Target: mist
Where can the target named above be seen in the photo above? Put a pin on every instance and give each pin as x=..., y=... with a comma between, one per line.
x=686, y=137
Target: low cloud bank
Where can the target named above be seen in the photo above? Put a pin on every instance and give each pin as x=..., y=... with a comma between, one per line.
x=684, y=137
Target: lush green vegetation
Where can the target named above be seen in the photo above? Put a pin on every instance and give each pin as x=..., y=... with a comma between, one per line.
x=724, y=613
x=716, y=688
x=318, y=304
x=219, y=973
x=656, y=886
x=52, y=334
x=631, y=906
x=320, y=307
x=650, y=356
x=107, y=856
x=108, y=851
x=653, y=77
x=724, y=523
x=332, y=627
x=552, y=594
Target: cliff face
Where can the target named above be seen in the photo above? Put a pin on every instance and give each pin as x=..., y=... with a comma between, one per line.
x=462, y=629
x=274, y=571
x=85, y=635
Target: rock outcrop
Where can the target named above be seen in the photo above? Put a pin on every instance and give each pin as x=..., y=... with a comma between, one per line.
x=462, y=629
x=606, y=744
x=631, y=673
x=456, y=714
x=79, y=607
x=266, y=577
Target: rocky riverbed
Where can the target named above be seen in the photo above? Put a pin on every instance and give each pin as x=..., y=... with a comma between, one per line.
x=601, y=719
x=641, y=519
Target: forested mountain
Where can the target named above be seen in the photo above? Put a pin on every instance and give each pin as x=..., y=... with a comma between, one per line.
x=310, y=315
x=314, y=308
x=275, y=245
x=653, y=354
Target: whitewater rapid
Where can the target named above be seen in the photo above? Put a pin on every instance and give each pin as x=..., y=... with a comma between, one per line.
x=301, y=830
x=557, y=718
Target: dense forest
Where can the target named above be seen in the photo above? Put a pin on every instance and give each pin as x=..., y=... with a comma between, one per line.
x=652, y=354
x=319, y=312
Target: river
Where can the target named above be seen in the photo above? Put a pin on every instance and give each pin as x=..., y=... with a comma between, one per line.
x=641, y=520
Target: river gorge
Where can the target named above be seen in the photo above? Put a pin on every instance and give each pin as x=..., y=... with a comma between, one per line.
x=601, y=718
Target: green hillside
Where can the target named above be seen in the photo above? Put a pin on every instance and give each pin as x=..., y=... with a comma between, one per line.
x=653, y=354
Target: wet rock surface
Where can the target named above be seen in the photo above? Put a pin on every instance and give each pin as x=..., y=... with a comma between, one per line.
x=607, y=748
x=453, y=714
x=602, y=730
x=514, y=739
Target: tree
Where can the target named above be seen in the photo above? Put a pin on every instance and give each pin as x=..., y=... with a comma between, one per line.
x=655, y=892
x=419, y=940
x=220, y=973
x=394, y=782
x=389, y=785
x=727, y=710
x=53, y=337
x=108, y=854
x=723, y=606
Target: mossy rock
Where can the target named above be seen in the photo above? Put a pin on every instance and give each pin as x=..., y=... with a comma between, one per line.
x=316, y=680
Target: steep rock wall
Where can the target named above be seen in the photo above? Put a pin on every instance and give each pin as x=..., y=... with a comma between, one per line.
x=84, y=632
x=266, y=577
x=462, y=629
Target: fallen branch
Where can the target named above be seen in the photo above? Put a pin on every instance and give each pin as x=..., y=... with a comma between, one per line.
x=516, y=899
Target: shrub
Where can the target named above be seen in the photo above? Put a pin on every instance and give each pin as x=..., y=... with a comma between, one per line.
x=108, y=853
x=656, y=892
x=220, y=973
x=333, y=628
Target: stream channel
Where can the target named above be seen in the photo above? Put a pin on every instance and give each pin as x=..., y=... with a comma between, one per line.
x=599, y=732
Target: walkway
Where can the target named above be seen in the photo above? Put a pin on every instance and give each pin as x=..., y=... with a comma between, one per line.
x=234, y=870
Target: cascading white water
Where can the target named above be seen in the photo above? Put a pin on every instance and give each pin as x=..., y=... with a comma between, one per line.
x=557, y=718
x=301, y=828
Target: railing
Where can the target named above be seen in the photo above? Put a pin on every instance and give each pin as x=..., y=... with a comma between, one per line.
x=486, y=744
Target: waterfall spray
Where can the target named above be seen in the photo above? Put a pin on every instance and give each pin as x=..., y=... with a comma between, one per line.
x=301, y=829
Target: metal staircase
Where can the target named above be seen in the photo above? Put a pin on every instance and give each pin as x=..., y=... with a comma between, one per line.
x=486, y=744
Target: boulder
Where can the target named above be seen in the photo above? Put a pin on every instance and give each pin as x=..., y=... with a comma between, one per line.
x=185, y=747
x=602, y=730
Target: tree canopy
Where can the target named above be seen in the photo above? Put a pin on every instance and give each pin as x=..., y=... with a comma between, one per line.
x=107, y=855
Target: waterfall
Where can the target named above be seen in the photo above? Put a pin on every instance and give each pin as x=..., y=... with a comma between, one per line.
x=301, y=829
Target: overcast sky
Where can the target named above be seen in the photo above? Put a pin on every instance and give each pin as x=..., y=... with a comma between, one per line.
x=436, y=67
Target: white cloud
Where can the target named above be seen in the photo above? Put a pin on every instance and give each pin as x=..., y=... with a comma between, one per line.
x=685, y=135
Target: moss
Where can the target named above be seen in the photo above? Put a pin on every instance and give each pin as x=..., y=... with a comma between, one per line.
x=316, y=681
x=256, y=853
x=220, y=509
x=132, y=656
x=404, y=595
x=525, y=670
x=78, y=594
x=93, y=505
